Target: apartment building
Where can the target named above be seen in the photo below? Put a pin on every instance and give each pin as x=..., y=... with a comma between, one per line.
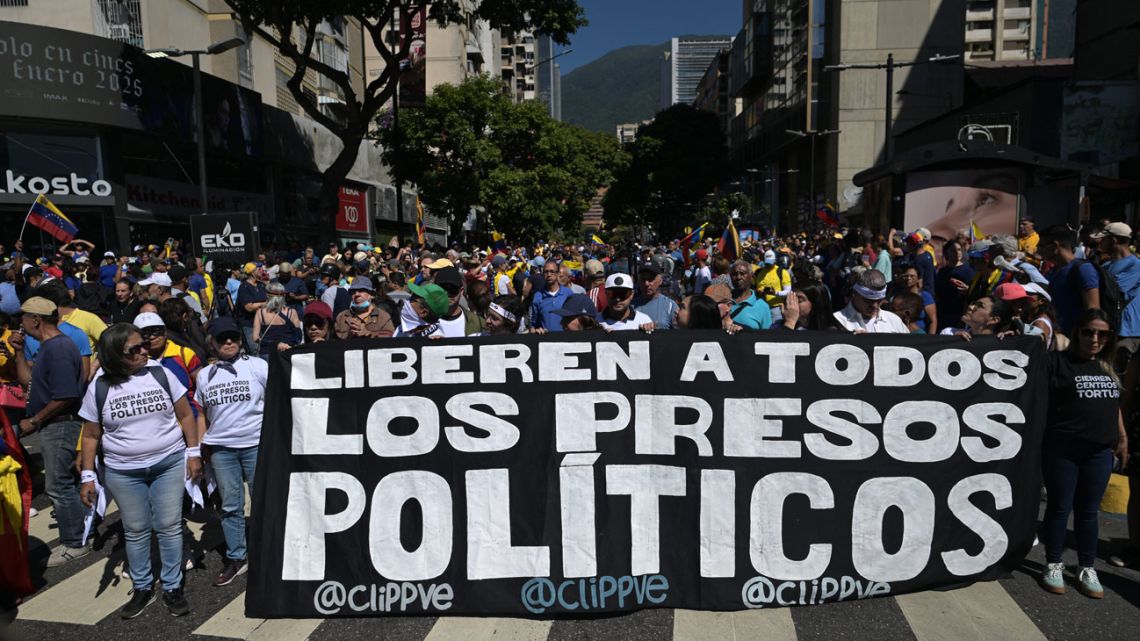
x=999, y=30
x=685, y=65
x=530, y=72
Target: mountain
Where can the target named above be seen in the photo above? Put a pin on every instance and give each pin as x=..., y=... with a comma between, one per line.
x=621, y=86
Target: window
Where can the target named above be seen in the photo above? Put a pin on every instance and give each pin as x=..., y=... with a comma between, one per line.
x=119, y=20
x=13, y=3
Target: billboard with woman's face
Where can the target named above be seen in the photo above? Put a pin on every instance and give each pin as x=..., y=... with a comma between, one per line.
x=946, y=202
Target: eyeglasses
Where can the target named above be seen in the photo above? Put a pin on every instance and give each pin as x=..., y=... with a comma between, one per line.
x=135, y=350
x=1099, y=334
x=152, y=332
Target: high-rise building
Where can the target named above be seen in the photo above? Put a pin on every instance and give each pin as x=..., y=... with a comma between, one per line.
x=530, y=73
x=998, y=30
x=712, y=92
x=685, y=65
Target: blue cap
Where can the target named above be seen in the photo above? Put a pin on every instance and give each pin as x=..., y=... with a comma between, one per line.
x=577, y=305
x=222, y=325
x=361, y=282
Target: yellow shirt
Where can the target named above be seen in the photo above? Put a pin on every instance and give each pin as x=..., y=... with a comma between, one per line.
x=7, y=366
x=775, y=277
x=91, y=324
x=1028, y=244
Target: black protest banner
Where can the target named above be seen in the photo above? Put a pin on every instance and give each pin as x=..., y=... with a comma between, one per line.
x=583, y=473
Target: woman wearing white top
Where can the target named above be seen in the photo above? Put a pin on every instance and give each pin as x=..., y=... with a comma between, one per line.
x=142, y=419
x=231, y=393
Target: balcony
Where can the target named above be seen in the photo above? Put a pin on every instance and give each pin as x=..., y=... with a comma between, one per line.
x=1014, y=13
x=1013, y=34
x=983, y=14
x=979, y=35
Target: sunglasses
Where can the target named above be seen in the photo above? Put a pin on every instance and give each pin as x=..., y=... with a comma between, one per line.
x=153, y=332
x=228, y=338
x=135, y=350
x=1100, y=334
x=314, y=322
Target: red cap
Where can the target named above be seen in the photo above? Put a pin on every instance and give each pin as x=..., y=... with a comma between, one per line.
x=1010, y=292
x=318, y=309
x=702, y=254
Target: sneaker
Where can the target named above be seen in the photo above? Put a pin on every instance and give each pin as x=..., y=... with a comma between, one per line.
x=231, y=571
x=33, y=512
x=63, y=554
x=1053, y=579
x=1090, y=584
x=175, y=602
x=139, y=600
x=188, y=565
x=1126, y=557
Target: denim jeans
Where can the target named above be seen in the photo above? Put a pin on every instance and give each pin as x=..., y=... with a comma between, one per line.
x=1076, y=474
x=150, y=499
x=59, y=441
x=232, y=466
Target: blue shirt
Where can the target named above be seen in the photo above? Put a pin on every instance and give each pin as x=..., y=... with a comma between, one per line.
x=77, y=336
x=197, y=284
x=754, y=313
x=107, y=274
x=56, y=375
x=1126, y=271
x=661, y=309
x=542, y=309
x=9, y=299
x=924, y=263
x=1066, y=288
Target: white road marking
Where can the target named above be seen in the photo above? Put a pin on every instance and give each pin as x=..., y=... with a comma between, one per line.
x=489, y=629
x=982, y=611
x=773, y=624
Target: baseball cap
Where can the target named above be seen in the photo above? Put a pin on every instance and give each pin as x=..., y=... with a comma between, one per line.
x=157, y=278
x=619, y=281
x=249, y=268
x=979, y=249
x=440, y=263
x=1034, y=288
x=538, y=262
x=449, y=276
x=222, y=325
x=148, y=319
x=39, y=306
x=433, y=296
x=499, y=260
x=593, y=267
x=719, y=293
x=1120, y=230
x=577, y=305
x=1010, y=292
x=361, y=282
x=318, y=309
x=138, y=248
x=109, y=254
x=286, y=267
x=651, y=268
x=1005, y=243
x=82, y=260
x=702, y=254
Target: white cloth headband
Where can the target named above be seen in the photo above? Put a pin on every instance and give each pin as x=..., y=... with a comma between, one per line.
x=870, y=294
x=498, y=309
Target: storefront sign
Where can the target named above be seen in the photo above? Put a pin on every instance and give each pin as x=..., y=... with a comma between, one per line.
x=352, y=212
x=584, y=473
x=28, y=187
x=228, y=239
x=168, y=198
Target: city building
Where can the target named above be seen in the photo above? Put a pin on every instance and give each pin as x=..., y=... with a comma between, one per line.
x=685, y=64
x=799, y=131
x=529, y=71
x=998, y=30
x=125, y=121
x=627, y=132
x=712, y=92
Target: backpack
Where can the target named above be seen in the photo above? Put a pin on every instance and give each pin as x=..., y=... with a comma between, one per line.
x=1112, y=299
x=102, y=387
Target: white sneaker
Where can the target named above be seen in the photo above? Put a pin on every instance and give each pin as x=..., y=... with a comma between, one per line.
x=33, y=512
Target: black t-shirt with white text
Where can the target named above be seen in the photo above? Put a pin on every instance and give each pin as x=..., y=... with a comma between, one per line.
x=1084, y=401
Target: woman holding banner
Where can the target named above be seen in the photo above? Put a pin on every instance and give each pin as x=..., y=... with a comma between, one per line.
x=1083, y=430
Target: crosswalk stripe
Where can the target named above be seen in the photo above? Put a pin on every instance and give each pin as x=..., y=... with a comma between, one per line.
x=981, y=611
x=489, y=629
x=230, y=622
x=770, y=625
x=43, y=528
x=81, y=598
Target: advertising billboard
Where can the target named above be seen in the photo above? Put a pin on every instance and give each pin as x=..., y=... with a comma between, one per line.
x=946, y=202
x=352, y=212
x=226, y=239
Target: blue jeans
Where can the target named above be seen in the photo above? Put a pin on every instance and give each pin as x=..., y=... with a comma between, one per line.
x=1076, y=474
x=232, y=466
x=59, y=441
x=150, y=499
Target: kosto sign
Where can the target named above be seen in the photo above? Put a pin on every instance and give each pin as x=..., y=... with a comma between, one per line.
x=64, y=185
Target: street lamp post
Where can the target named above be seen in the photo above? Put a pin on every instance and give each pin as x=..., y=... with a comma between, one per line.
x=220, y=46
x=812, y=135
x=889, y=66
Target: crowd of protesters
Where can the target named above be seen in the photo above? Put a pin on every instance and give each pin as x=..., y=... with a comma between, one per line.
x=157, y=360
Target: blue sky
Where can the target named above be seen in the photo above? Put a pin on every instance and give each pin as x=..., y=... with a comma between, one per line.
x=619, y=23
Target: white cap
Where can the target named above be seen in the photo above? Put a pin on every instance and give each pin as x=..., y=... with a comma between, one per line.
x=148, y=319
x=770, y=255
x=138, y=248
x=619, y=281
x=1034, y=288
x=157, y=278
x=82, y=260
x=109, y=254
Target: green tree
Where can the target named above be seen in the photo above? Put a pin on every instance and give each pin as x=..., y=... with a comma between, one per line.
x=472, y=146
x=291, y=27
x=676, y=161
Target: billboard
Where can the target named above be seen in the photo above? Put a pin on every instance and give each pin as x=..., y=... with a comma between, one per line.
x=352, y=217
x=56, y=74
x=413, y=69
x=946, y=202
x=227, y=239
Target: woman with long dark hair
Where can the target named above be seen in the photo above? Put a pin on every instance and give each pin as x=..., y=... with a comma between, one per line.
x=1083, y=430
x=150, y=448
x=699, y=312
x=808, y=308
x=504, y=316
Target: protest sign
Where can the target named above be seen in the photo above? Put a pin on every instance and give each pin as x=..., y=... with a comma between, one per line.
x=591, y=473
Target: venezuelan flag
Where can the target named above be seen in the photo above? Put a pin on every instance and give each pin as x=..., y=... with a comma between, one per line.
x=49, y=218
x=499, y=242
x=729, y=245
x=827, y=214
x=597, y=239
x=975, y=232
x=575, y=268
x=421, y=227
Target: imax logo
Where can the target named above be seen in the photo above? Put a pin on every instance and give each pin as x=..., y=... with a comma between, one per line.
x=226, y=239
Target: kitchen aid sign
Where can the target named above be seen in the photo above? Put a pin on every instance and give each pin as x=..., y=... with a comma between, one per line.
x=63, y=185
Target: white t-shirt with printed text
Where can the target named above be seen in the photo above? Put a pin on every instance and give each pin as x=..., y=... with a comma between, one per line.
x=139, y=425
x=234, y=402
